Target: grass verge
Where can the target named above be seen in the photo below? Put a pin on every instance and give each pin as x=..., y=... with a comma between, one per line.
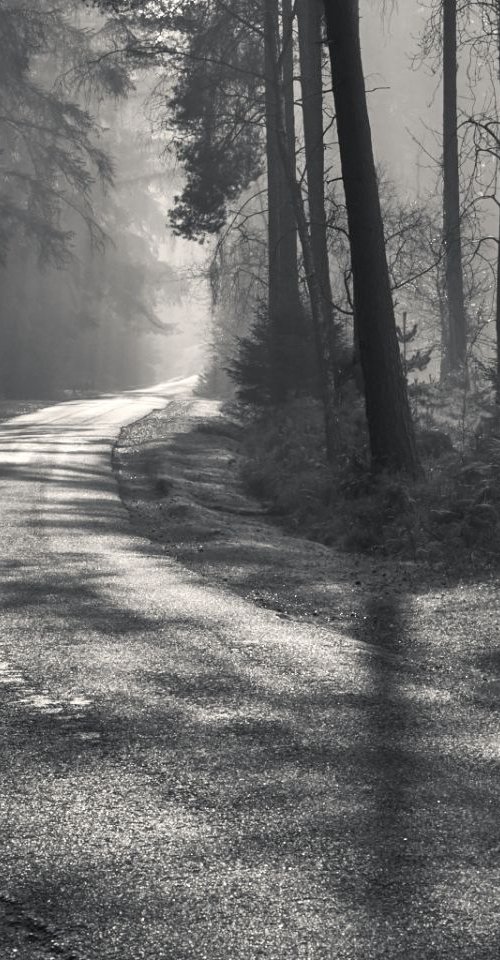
x=450, y=518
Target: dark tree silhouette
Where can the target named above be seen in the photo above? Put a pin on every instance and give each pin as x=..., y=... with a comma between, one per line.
x=456, y=348
x=390, y=426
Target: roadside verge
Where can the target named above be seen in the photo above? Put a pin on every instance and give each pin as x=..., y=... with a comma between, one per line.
x=180, y=477
x=179, y=472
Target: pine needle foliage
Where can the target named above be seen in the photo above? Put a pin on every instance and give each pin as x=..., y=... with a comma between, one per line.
x=50, y=157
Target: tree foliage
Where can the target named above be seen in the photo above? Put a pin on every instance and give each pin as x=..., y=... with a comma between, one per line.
x=50, y=156
x=215, y=112
x=209, y=55
x=78, y=200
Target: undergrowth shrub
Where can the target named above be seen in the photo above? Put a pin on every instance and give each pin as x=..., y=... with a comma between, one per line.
x=451, y=517
x=285, y=460
x=257, y=362
x=214, y=382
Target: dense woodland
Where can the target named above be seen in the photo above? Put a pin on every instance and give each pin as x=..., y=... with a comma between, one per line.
x=355, y=312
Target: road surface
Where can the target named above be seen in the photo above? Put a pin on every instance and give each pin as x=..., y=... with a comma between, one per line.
x=185, y=775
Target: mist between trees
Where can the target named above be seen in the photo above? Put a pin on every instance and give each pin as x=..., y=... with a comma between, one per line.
x=90, y=288
x=355, y=311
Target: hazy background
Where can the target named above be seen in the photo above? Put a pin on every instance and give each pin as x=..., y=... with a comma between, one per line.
x=131, y=303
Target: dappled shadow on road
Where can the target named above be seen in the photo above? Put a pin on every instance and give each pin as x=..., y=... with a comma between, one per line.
x=396, y=881
x=57, y=480
x=271, y=795
x=73, y=596
x=243, y=786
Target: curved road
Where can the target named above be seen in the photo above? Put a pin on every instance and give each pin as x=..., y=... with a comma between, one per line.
x=119, y=670
x=184, y=775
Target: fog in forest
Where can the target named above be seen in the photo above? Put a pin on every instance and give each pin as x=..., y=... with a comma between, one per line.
x=97, y=292
x=100, y=292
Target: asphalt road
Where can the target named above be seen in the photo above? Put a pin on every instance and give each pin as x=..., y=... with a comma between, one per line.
x=185, y=775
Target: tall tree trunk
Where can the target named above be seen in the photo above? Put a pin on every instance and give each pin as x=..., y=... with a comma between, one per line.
x=390, y=427
x=288, y=217
x=309, y=18
x=320, y=314
x=285, y=309
x=497, y=305
x=457, y=326
x=273, y=209
x=497, y=320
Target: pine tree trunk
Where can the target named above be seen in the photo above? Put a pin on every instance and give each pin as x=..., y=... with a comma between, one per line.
x=497, y=304
x=285, y=309
x=277, y=386
x=309, y=17
x=457, y=326
x=390, y=427
x=288, y=218
x=320, y=315
x=497, y=320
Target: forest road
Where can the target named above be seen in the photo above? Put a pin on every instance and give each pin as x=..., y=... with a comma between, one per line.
x=187, y=775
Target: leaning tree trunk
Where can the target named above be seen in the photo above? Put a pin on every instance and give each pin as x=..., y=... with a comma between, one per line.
x=320, y=314
x=285, y=308
x=309, y=17
x=390, y=427
x=457, y=326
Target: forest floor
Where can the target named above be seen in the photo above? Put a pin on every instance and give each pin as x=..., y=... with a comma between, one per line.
x=413, y=762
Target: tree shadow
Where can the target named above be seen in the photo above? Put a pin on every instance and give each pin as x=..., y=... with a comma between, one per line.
x=271, y=811
x=264, y=795
x=76, y=599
